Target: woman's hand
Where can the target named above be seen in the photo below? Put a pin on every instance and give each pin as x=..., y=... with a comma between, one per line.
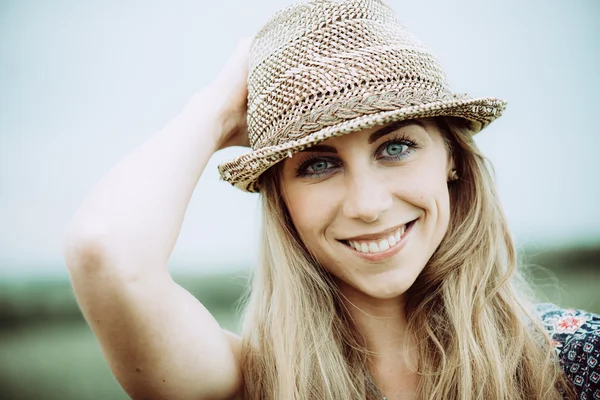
x=229, y=93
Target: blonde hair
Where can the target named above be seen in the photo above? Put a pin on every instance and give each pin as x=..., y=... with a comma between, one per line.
x=482, y=338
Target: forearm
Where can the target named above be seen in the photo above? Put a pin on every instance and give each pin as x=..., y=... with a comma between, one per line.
x=135, y=213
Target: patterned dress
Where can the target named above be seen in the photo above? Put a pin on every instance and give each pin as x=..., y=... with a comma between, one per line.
x=576, y=336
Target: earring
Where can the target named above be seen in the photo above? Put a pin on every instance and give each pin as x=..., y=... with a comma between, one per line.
x=453, y=175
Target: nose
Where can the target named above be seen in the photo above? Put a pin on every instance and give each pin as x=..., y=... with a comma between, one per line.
x=367, y=196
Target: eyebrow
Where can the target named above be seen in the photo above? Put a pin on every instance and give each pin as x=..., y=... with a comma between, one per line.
x=392, y=127
x=385, y=130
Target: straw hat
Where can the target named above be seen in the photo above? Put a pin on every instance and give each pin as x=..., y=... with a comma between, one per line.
x=324, y=68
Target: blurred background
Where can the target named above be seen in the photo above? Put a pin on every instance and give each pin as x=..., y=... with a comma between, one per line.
x=84, y=83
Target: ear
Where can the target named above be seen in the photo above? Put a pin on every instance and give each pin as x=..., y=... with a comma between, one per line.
x=451, y=172
x=451, y=167
x=450, y=162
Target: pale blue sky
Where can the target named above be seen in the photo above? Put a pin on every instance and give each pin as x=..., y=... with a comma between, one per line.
x=85, y=83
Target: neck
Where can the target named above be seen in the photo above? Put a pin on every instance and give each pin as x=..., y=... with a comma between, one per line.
x=393, y=353
x=382, y=322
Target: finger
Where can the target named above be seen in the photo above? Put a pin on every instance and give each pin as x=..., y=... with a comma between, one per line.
x=242, y=50
x=237, y=61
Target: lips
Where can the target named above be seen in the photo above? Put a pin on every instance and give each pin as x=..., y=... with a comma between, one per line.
x=379, y=244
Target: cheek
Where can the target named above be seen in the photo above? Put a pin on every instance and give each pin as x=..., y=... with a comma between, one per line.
x=426, y=190
x=310, y=210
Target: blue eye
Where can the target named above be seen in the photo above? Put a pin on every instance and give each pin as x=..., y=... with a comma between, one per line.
x=315, y=168
x=395, y=148
x=318, y=166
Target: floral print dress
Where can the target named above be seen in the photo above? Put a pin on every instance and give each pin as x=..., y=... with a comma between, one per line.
x=576, y=337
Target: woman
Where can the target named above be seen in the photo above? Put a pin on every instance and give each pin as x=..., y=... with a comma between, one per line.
x=387, y=270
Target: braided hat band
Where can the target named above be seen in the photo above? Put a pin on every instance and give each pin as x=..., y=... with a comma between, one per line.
x=325, y=68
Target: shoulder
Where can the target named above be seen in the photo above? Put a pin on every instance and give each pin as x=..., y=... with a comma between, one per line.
x=576, y=338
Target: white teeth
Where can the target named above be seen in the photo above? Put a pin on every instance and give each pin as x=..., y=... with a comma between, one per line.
x=392, y=241
x=384, y=245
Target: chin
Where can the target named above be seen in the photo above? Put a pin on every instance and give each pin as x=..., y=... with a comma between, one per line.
x=386, y=285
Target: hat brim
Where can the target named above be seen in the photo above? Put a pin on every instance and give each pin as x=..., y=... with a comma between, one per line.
x=244, y=171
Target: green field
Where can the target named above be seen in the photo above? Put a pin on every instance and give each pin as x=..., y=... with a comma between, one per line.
x=48, y=352
x=60, y=361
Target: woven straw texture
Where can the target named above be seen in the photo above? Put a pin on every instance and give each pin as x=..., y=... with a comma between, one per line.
x=324, y=68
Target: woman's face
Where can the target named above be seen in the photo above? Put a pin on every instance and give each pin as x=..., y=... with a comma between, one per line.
x=372, y=206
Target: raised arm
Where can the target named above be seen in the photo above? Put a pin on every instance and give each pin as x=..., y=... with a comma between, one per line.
x=159, y=341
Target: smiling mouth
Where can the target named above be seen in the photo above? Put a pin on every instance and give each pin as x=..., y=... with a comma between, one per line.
x=382, y=244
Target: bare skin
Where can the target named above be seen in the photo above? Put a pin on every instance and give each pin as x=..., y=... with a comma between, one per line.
x=366, y=185
x=159, y=341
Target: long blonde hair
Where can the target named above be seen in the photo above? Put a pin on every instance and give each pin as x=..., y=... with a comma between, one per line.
x=481, y=337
